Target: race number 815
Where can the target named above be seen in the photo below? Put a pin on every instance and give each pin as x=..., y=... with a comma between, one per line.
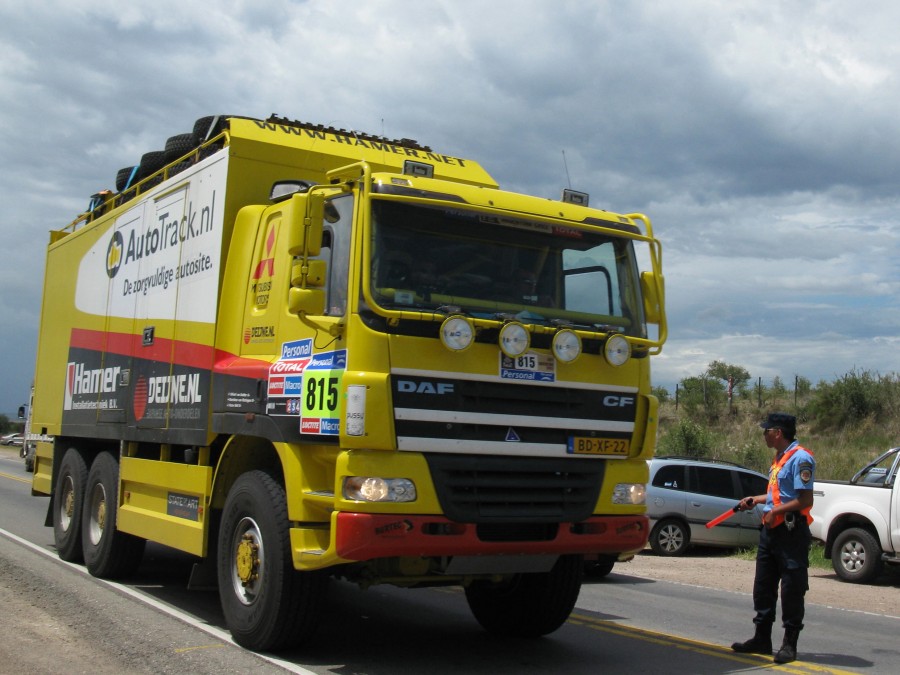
x=321, y=396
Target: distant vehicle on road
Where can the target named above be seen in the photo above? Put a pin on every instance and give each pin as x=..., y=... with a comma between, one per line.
x=12, y=439
x=685, y=493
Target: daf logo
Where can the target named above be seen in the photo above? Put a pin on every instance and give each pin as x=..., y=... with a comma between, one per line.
x=410, y=387
x=618, y=401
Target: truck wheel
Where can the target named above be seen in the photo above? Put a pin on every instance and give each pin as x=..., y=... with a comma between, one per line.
x=125, y=178
x=856, y=556
x=108, y=553
x=528, y=605
x=267, y=604
x=178, y=146
x=670, y=537
x=68, y=502
x=150, y=163
x=204, y=129
x=599, y=568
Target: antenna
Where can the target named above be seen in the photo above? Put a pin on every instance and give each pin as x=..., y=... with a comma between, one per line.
x=572, y=196
x=566, y=165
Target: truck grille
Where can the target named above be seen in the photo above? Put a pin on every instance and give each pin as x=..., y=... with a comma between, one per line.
x=447, y=415
x=490, y=489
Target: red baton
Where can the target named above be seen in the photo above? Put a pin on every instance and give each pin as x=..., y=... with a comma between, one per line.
x=725, y=516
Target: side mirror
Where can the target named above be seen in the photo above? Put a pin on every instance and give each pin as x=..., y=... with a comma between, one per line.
x=21, y=412
x=306, y=301
x=315, y=273
x=314, y=222
x=651, y=288
x=303, y=215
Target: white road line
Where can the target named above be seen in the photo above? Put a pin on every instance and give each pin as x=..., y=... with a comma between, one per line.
x=217, y=633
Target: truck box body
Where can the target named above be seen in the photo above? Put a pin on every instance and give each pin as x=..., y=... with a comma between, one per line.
x=447, y=382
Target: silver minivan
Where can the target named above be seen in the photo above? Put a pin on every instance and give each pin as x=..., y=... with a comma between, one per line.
x=684, y=494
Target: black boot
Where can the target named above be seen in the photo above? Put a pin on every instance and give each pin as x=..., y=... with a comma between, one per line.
x=761, y=643
x=788, y=651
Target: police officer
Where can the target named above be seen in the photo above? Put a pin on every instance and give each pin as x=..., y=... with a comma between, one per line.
x=784, y=540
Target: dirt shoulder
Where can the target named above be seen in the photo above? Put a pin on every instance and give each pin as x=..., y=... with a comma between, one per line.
x=711, y=568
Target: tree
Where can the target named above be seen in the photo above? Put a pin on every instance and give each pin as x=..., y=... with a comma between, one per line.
x=661, y=393
x=702, y=397
x=723, y=371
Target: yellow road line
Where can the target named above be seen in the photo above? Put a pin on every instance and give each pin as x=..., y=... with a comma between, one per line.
x=18, y=478
x=704, y=648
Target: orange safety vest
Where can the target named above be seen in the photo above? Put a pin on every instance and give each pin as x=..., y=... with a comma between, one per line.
x=773, y=485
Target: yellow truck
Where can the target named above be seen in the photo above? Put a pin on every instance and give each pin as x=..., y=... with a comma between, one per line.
x=298, y=352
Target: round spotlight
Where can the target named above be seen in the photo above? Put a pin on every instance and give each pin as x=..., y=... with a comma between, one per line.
x=457, y=333
x=566, y=345
x=514, y=339
x=617, y=350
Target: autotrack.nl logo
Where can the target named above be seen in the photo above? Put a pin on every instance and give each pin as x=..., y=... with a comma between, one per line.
x=114, y=254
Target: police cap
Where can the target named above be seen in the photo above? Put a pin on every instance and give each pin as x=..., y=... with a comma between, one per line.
x=787, y=423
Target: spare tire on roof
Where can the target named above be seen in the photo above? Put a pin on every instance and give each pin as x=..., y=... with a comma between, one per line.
x=178, y=146
x=125, y=178
x=151, y=162
x=208, y=127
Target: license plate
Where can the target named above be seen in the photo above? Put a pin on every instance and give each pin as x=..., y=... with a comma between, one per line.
x=614, y=447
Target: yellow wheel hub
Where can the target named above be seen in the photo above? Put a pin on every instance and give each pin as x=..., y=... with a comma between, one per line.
x=247, y=560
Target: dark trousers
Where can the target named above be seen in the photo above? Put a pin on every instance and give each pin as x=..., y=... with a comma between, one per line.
x=782, y=557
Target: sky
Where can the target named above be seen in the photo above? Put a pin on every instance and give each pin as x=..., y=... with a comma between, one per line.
x=760, y=138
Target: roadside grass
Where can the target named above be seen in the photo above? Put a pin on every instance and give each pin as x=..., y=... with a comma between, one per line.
x=736, y=437
x=817, y=557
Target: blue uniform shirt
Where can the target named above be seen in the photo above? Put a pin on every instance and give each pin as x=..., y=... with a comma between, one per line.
x=798, y=473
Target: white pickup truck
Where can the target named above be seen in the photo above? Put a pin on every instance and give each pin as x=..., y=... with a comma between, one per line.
x=859, y=520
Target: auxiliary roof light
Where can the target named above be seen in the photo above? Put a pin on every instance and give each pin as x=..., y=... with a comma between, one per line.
x=514, y=339
x=457, y=333
x=617, y=350
x=566, y=345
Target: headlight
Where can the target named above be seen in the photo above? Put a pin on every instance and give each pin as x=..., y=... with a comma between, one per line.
x=629, y=493
x=457, y=333
x=566, y=345
x=514, y=339
x=375, y=489
x=617, y=350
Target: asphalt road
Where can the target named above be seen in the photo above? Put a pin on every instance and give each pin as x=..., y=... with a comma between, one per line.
x=57, y=618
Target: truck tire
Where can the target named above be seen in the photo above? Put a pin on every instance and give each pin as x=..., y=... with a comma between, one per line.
x=670, y=537
x=178, y=146
x=125, y=178
x=108, y=553
x=151, y=162
x=599, y=568
x=267, y=604
x=68, y=502
x=856, y=556
x=528, y=605
x=204, y=129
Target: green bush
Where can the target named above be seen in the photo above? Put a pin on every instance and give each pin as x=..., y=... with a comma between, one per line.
x=854, y=398
x=686, y=438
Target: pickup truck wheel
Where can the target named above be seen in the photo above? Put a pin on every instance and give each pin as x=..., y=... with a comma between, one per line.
x=528, y=605
x=856, y=556
x=670, y=537
x=108, y=552
x=68, y=502
x=267, y=604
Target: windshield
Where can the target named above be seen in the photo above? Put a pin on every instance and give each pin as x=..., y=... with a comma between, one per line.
x=429, y=258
